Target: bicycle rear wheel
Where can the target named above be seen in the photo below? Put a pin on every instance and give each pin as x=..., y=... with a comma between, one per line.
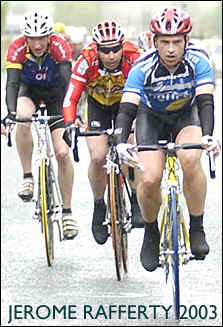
x=175, y=258
x=118, y=234
x=47, y=224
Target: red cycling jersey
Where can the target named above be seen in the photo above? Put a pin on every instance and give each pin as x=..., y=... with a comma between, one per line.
x=105, y=88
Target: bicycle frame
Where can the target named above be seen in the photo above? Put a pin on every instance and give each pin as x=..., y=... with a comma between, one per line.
x=112, y=162
x=173, y=213
x=47, y=196
x=118, y=216
x=45, y=151
x=172, y=181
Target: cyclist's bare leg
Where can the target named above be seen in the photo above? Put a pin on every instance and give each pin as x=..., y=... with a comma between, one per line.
x=194, y=181
x=97, y=147
x=194, y=186
x=65, y=167
x=24, y=141
x=148, y=188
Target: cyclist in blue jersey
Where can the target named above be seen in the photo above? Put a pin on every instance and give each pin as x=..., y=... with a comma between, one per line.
x=39, y=68
x=170, y=90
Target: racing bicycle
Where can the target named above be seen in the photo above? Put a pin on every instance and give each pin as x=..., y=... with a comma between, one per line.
x=118, y=209
x=47, y=196
x=174, y=237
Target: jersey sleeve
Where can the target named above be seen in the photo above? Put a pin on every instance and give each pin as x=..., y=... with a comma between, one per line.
x=204, y=73
x=16, y=54
x=76, y=86
x=60, y=49
x=135, y=81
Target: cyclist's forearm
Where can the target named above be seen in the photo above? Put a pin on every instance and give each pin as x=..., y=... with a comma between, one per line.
x=71, y=100
x=206, y=113
x=124, y=120
x=12, y=88
x=64, y=71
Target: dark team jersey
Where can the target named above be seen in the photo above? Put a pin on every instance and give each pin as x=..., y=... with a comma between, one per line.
x=38, y=71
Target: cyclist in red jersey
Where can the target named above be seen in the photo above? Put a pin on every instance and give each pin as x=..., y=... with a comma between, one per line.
x=101, y=71
x=39, y=68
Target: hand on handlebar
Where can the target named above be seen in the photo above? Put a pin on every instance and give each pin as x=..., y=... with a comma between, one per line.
x=8, y=123
x=127, y=155
x=70, y=137
x=210, y=143
x=78, y=121
x=69, y=133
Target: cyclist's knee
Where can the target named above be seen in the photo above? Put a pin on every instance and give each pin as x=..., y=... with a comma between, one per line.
x=190, y=162
x=151, y=181
x=98, y=160
x=62, y=155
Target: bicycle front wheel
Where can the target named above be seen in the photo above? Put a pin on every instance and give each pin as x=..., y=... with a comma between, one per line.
x=119, y=236
x=175, y=258
x=47, y=223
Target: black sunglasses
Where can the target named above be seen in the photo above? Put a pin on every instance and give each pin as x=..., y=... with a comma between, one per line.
x=107, y=50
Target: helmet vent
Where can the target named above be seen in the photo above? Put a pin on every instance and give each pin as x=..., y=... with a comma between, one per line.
x=168, y=26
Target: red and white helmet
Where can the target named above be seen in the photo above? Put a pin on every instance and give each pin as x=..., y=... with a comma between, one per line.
x=171, y=22
x=107, y=32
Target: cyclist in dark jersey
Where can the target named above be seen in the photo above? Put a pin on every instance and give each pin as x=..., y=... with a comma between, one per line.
x=39, y=68
x=171, y=91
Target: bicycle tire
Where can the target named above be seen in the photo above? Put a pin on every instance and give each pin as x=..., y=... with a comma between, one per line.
x=47, y=224
x=119, y=237
x=50, y=203
x=175, y=258
x=124, y=233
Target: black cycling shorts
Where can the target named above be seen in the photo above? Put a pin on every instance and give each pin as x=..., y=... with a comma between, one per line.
x=152, y=126
x=50, y=96
x=99, y=116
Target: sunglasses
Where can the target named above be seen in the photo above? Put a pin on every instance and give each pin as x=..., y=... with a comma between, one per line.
x=107, y=50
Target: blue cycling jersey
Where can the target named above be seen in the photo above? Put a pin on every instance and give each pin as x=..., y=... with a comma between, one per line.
x=43, y=74
x=165, y=91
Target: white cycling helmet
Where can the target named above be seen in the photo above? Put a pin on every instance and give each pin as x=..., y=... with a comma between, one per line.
x=107, y=32
x=37, y=24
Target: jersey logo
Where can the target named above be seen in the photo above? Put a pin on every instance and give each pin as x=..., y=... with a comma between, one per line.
x=178, y=104
x=82, y=67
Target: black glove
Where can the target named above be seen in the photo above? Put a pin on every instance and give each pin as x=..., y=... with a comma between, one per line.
x=67, y=135
x=9, y=118
x=79, y=117
x=70, y=137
